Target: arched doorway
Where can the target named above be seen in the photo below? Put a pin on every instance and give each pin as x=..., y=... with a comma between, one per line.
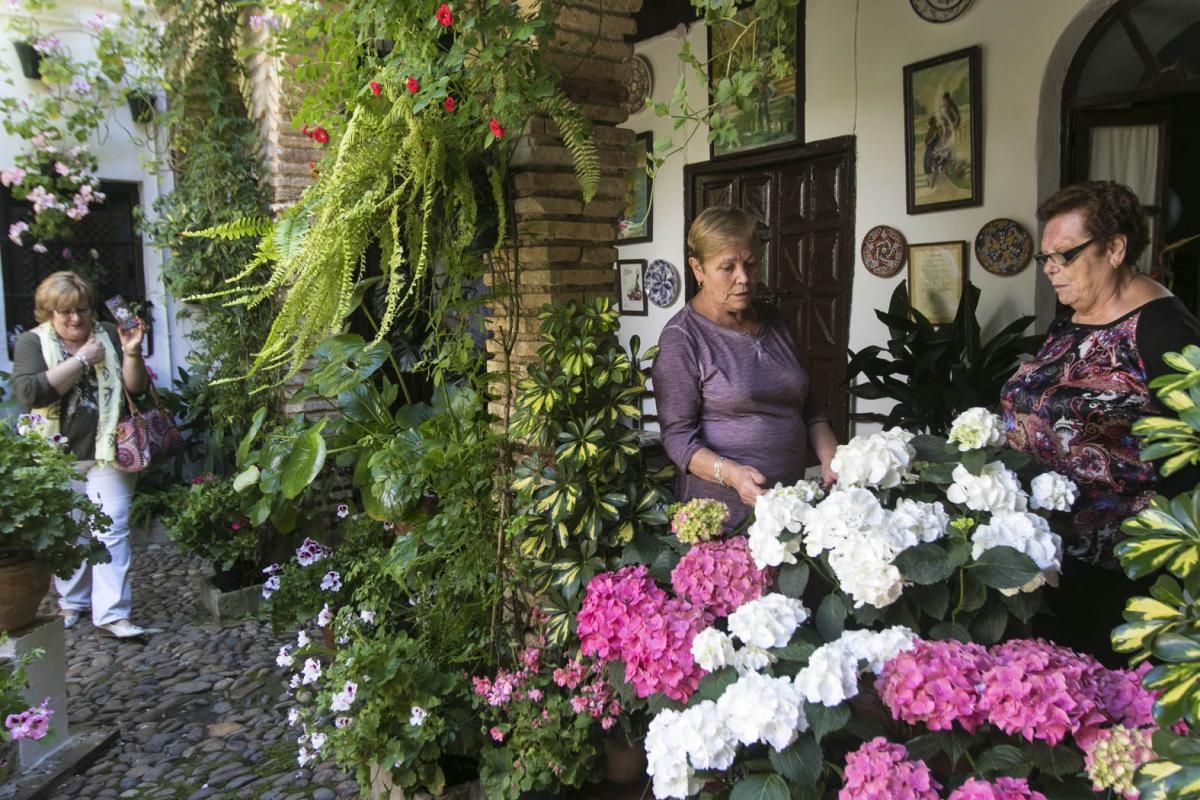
x=1131, y=112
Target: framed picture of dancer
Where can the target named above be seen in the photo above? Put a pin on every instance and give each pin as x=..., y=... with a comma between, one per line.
x=631, y=287
x=943, y=132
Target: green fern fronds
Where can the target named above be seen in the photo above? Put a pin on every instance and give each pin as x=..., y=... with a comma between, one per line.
x=576, y=133
x=241, y=228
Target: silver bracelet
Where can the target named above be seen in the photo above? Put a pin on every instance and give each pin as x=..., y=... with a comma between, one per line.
x=717, y=470
x=82, y=360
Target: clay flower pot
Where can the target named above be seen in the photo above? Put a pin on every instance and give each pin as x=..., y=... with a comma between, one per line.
x=624, y=762
x=23, y=584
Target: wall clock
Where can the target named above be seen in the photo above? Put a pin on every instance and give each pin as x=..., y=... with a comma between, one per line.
x=939, y=10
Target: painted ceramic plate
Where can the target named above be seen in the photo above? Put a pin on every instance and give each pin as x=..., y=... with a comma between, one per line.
x=662, y=283
x=884, y=250
x=1003, y=247
x=641, y=84
x=939, y=10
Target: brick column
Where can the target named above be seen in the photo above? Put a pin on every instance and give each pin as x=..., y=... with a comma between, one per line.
x=286, y=152
x=565, y=248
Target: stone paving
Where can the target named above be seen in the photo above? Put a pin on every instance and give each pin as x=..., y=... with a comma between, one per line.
x=201, y=707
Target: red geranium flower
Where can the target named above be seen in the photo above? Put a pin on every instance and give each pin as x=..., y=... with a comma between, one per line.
x=375, y=88
x=306, y=131
x=449, y=104
x=445, y=16
x=320, y=135
x=496, y=127
x=413, y=85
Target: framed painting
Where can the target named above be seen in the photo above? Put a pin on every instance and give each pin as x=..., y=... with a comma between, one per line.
x=631, y=287
x=937, y=273
x=775, y=111
x=637, y=220
x=943, y=132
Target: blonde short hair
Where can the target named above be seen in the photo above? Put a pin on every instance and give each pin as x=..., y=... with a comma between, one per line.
x=719, y=227
x=60, y=291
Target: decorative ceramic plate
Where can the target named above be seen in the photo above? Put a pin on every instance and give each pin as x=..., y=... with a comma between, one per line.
x=662, y=283
x=1003, y=247
x=641, y=84
x=884, y=250
x=939, y=10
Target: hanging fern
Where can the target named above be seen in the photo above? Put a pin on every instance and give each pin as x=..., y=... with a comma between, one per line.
x=240, y=228
x=576, y=133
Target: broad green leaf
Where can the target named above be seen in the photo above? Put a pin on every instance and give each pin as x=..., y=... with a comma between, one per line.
x=246, y=478
x=1004, y=759
x=243, y=448
x=714, y=684
x=823, y=720
x=793, y=579
x=1004, y=568
x=831, y=617
x=924, y=564
x=1176, y=647
x=304, y=462
x=760, y=786
x=801, y=762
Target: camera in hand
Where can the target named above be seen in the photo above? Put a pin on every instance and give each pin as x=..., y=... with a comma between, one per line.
x=121, y=312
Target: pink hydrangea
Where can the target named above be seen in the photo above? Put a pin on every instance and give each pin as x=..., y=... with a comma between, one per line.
x=935, y=683
x=1002, y=789
x=1038, y=690
x=719, y=576
x=613, y=605
x=880, y=770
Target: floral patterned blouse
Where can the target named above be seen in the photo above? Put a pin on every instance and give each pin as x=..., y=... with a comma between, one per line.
x=1073, y=406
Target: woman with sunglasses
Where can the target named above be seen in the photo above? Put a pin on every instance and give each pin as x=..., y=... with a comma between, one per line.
x=1073, y=406
x=70, y=369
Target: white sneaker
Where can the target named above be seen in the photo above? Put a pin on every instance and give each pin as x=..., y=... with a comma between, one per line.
x=121, y=629
x=71, y=617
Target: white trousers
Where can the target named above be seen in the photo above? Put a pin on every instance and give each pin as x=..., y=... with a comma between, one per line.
x=103, y=587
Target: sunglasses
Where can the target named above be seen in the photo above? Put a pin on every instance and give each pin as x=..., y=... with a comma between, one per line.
x=1064, y=258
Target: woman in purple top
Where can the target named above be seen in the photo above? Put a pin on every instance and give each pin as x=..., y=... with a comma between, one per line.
x=736, y=409
x=1073, y=406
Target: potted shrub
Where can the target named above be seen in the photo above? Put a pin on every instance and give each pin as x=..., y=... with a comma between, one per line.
x=44, y=520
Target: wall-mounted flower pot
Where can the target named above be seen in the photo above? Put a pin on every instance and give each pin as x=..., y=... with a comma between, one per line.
x=141, y=106
x=31, y=60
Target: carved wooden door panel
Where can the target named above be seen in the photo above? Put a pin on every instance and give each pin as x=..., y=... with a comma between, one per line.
x=804, y=198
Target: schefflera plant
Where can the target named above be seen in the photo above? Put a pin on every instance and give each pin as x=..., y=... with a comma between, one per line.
x=587, y=488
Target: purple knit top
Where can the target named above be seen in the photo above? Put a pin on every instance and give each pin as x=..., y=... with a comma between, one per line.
x=743, y=396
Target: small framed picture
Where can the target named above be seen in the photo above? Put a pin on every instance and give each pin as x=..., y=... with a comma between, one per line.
x=631, y=287
x=937, y=273
x=943, y=132
x=637, y=220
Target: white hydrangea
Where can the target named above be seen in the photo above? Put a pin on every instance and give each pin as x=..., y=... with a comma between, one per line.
x=881, y=460
x=779, y=509
x=877, y=648
x=1053, y=492
x=914, y=522
x=996, y=489
x=751, y=658
x=759, y=708
x=1028, y=533
x=712, y=649
x=842, y=516
x=975, y=428
x=871, y=581
x=767, y=549
x=830, y=677
x=768, y=621
x=666, y=762
x=704, y=735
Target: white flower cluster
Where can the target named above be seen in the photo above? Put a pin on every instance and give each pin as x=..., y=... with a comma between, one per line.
x=1027, y=533
x=782, y=508
x=756, y=708
x=881, y=460
x=995, y=490
x=1053, y=492
x=975, y=428
x=832, y=672
x=760, y=624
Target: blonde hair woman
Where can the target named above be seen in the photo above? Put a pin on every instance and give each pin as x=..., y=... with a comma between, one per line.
x=737, y=411
x=70, y=369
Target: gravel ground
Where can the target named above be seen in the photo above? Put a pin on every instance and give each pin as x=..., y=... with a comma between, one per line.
x=200, y=706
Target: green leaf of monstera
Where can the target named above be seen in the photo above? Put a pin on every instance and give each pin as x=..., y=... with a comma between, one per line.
x=304, y=462
x=760, y=787
x=1004, y=568
x=924, y=564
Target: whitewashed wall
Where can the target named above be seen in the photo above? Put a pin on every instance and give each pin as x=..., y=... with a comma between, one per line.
x=855, y=54
x=122, y=157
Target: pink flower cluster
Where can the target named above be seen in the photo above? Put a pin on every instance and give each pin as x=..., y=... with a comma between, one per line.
x=32, y=723
x=626, y=617
x=719, y=576
x=1002, y=789
x=880, y=770
x=595, y=696
x=1025, y=687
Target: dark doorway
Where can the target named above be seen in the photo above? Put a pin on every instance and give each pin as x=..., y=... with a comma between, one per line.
x=106, y=249
x=804, y=198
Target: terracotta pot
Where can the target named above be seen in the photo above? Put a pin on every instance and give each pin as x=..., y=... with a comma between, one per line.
x=23, y=584
x=624, y=762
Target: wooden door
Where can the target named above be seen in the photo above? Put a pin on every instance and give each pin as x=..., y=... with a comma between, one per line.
x=804, y=199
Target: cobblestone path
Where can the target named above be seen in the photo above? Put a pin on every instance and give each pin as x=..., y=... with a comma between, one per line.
x=200, y=707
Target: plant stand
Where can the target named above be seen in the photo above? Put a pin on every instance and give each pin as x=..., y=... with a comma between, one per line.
x=228, y=605
x=47, y=678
